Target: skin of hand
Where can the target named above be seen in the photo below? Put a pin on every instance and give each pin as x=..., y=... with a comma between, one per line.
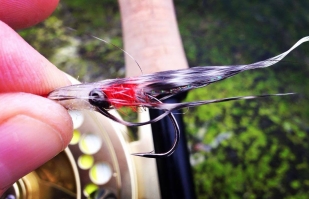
x=33, y=129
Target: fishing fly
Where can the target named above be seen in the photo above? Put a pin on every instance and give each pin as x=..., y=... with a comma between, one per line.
x=149, y=91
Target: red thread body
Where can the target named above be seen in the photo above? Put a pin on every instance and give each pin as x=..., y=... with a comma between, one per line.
x=121, y=94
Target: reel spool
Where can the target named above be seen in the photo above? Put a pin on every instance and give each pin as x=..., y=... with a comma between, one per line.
x=97, y=164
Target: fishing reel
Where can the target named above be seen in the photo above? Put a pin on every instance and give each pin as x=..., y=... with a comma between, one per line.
x=97, y=164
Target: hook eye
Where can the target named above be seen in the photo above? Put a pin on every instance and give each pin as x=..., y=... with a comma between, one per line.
x=99, y=99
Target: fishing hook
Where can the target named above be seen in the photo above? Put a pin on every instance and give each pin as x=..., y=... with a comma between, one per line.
x=150, y=154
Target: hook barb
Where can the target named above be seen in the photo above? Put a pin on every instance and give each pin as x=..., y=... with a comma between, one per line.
x=152, y=154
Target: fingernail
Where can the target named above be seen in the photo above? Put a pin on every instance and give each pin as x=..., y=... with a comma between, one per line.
x=25, y=144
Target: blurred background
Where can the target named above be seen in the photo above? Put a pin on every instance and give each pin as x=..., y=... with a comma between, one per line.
x=243, y=149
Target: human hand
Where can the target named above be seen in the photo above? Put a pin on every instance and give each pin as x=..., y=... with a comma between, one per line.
x=33, y=129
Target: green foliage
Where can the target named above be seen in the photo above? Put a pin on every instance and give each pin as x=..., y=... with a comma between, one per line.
x=266, y=156
x=76, y=51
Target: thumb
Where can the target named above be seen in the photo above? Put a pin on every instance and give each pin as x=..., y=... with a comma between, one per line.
x=32, y=131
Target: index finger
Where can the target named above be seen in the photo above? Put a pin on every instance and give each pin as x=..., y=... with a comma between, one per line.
x=23, y=69
x=25, y=13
